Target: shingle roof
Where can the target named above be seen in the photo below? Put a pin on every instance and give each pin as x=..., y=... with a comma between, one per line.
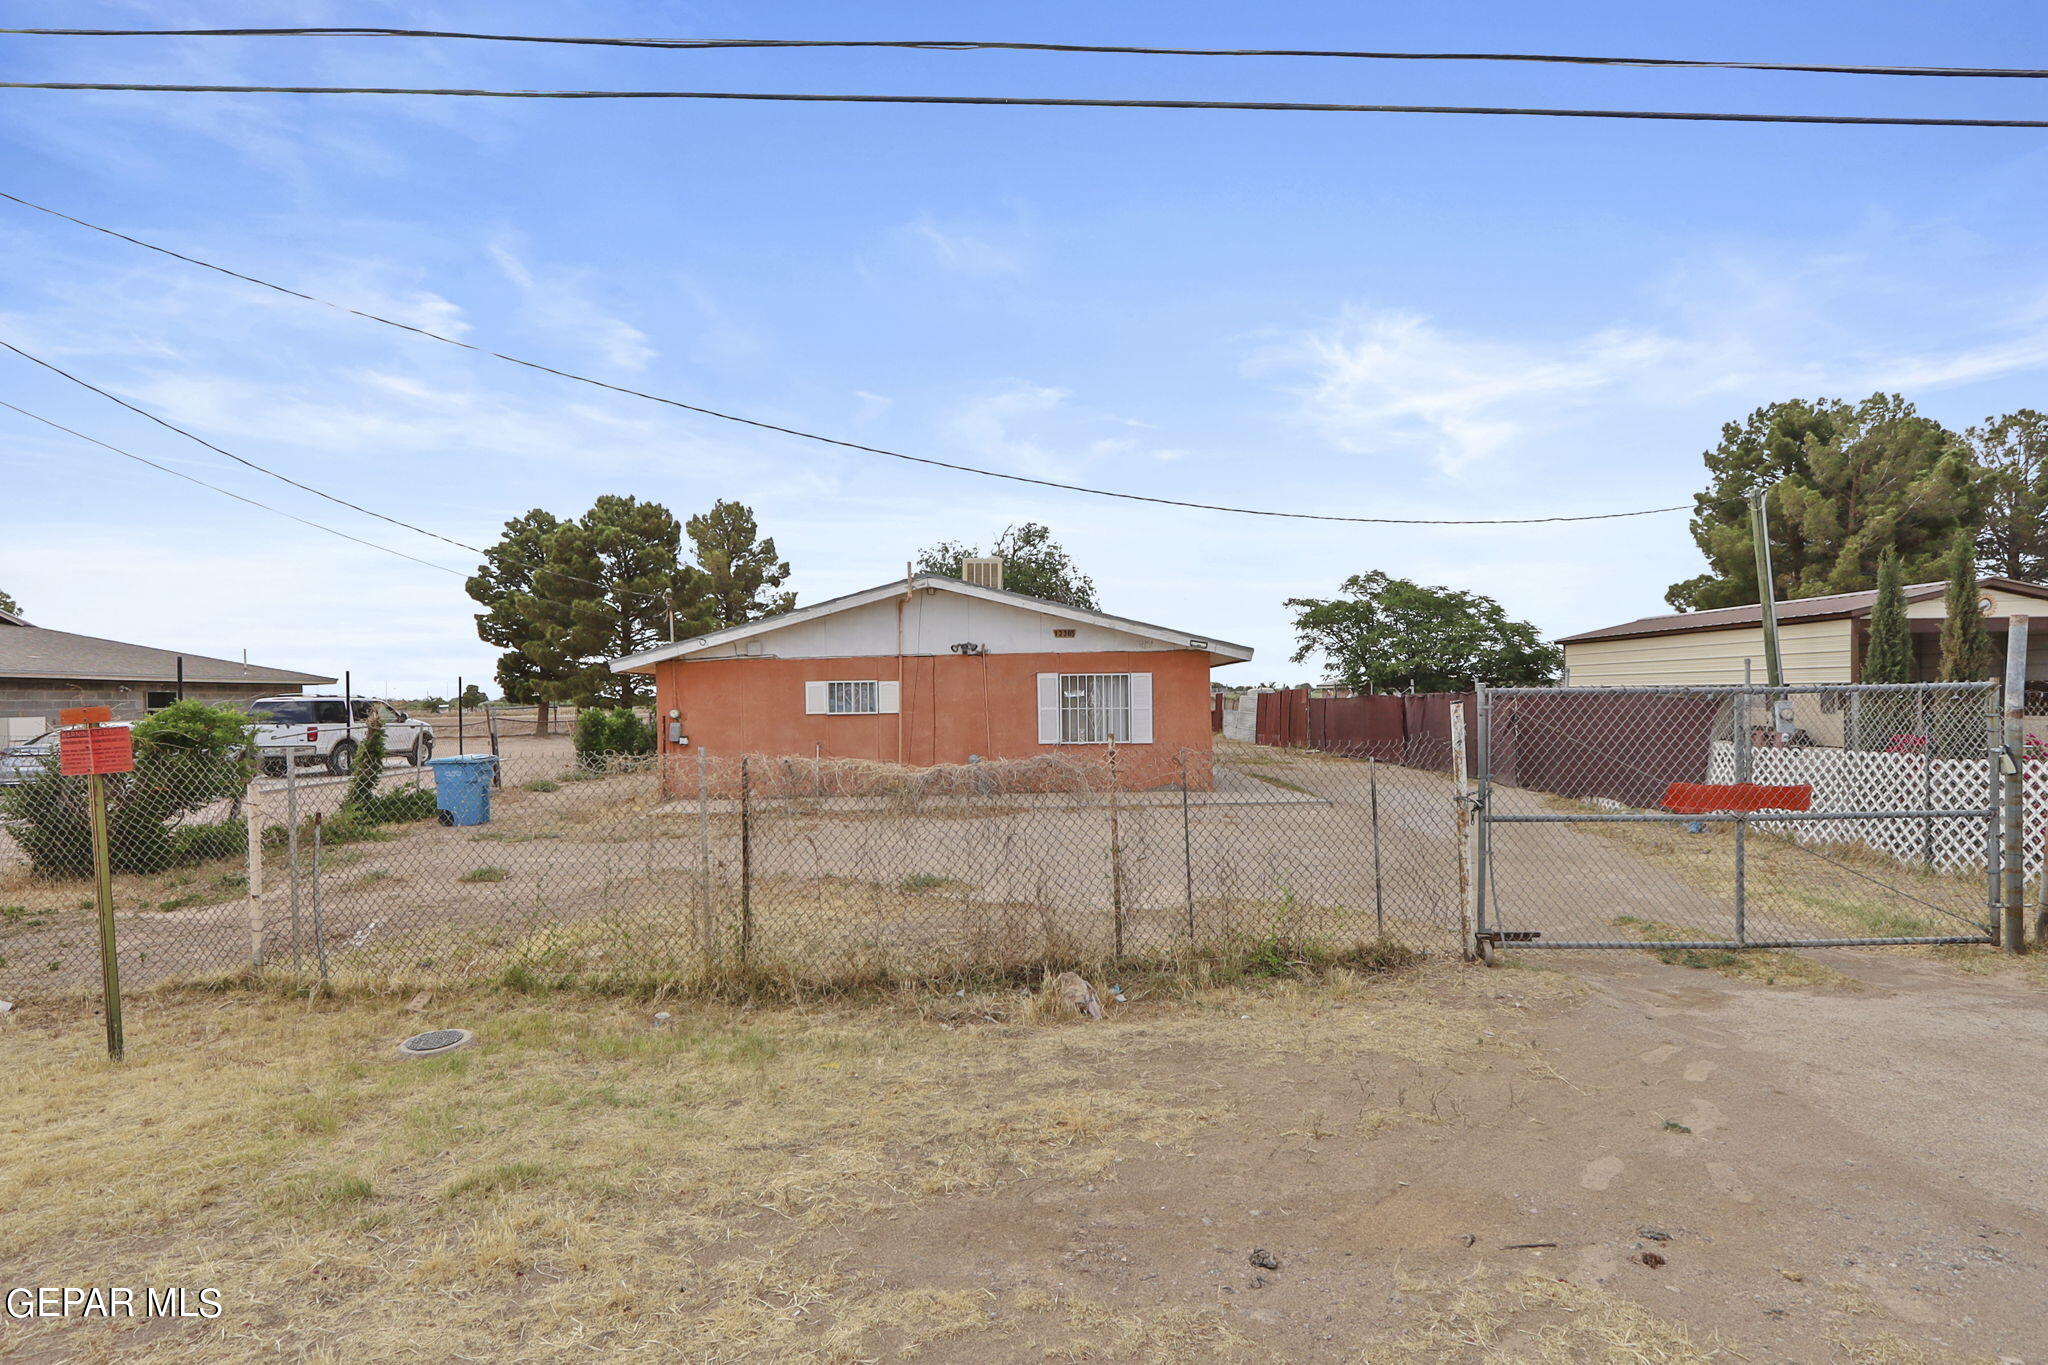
x=1831, y=607
x=28, y=651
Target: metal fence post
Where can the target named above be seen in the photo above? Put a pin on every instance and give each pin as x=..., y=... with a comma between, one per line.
x=319, y=927
x=1187, y=848
x=2013, y=870
x=252, y=810
x=746, y=860
x=1116, y=864
x=291, y=841
x=1379, y=903
x=1468, y=923
x=1743, y=759
x=707, y=934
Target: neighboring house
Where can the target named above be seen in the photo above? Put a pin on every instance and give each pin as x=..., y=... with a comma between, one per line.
x=1820, y=639
x=932, y=670
x=44, y=671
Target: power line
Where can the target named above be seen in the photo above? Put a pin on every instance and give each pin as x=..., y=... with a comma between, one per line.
x=977, y=45
x=1044, y=102
x=225, y=492
x=321, y=493
x=809, y=435
x=261, y=469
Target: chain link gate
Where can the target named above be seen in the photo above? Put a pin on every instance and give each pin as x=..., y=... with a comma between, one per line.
x=1737, y=817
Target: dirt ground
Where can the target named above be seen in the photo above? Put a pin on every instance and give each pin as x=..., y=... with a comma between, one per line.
x=1450, y=1164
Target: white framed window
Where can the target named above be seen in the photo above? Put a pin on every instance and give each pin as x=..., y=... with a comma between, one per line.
x=852, y=697
x=1093, y=708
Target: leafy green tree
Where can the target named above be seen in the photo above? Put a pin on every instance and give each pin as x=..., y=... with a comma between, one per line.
x=1848, y=482
x=2011, y=453
x=1389, y=633
x=610, y=583
x=743, y=568
x=1965, y=643
x=499, y=582
x=473, y=697
x=8, y=604
x=1033, y=564
x=1888, y=653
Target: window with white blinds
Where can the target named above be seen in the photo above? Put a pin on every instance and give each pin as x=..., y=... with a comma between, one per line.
x=852, y=698
x=1095, y=707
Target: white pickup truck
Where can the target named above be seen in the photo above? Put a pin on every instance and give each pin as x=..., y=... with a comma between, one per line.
x=310, y=730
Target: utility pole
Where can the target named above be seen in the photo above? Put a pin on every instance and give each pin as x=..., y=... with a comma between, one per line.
x=1767, y=593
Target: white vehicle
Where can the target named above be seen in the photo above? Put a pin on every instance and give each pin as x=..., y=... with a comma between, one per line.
x=309, y=730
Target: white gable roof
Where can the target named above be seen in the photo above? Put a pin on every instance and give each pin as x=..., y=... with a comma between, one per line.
x=841, y=627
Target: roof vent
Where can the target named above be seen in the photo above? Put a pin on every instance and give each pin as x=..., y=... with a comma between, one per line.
x=984, y=571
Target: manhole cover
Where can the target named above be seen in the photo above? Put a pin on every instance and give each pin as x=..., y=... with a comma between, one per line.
x=435, y=1043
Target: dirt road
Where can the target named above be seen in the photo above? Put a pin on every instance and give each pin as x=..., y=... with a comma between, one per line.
x=1844, y=1174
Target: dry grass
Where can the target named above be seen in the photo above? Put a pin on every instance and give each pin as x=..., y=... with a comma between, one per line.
x=1533, y=1320
x=1768, y=967
x=588, y=1180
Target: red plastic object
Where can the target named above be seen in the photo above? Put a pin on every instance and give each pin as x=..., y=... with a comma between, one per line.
x=102, y=749
x=1710, y=798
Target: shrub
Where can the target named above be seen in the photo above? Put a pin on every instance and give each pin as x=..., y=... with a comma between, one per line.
x=204, y=843
x=606, y=732
x=187, y=756
x=368, y=770
x=397, y=807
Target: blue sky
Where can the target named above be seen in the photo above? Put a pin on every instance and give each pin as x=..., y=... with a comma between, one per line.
x=1378, y=315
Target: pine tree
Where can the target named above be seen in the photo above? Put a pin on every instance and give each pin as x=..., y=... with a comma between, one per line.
x=1848, y=482
x=744, y=568
x=611, y=583
x=1888, y=655
x=1965, y=643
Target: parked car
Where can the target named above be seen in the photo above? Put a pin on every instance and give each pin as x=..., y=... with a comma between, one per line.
x=319, y=730
x=21, y=763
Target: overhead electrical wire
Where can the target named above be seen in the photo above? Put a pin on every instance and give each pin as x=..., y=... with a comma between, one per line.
x=775, y=427
x=308, y=488
x=981, y=45
x=225, y=492
x=1044, y=102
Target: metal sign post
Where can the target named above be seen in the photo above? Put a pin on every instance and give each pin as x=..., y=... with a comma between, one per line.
x=86, y=748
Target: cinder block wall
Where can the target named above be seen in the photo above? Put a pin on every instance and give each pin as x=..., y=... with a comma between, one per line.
x=43, y=698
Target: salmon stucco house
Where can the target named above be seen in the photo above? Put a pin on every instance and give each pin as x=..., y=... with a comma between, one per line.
x=930, y=670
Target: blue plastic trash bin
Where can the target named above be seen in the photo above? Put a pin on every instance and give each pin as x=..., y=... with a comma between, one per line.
x=462, y=788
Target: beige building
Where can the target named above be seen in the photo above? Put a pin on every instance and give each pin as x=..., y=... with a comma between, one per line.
x=1821, y=639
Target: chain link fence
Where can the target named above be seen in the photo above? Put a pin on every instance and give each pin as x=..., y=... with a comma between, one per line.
x=636, y=872
x=1740, y=816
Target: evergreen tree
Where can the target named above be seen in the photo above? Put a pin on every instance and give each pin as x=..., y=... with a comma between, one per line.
x=1849, y=482
x=1965, y=643
x=743, y=568
x=499, y=582
x=2011, y=453
x=1888, y=653
x=610, y=583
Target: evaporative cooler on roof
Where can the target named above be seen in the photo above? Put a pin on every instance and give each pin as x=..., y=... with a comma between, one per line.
x=984, y=571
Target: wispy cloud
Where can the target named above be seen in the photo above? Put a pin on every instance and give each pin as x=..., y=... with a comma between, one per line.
x=558, y=302
x=1386, y=381
x=969, y=248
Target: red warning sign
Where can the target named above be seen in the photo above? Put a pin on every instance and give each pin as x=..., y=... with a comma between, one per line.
x=96, y=749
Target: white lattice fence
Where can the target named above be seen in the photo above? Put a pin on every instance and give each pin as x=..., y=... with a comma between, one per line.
x=1857, y=780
